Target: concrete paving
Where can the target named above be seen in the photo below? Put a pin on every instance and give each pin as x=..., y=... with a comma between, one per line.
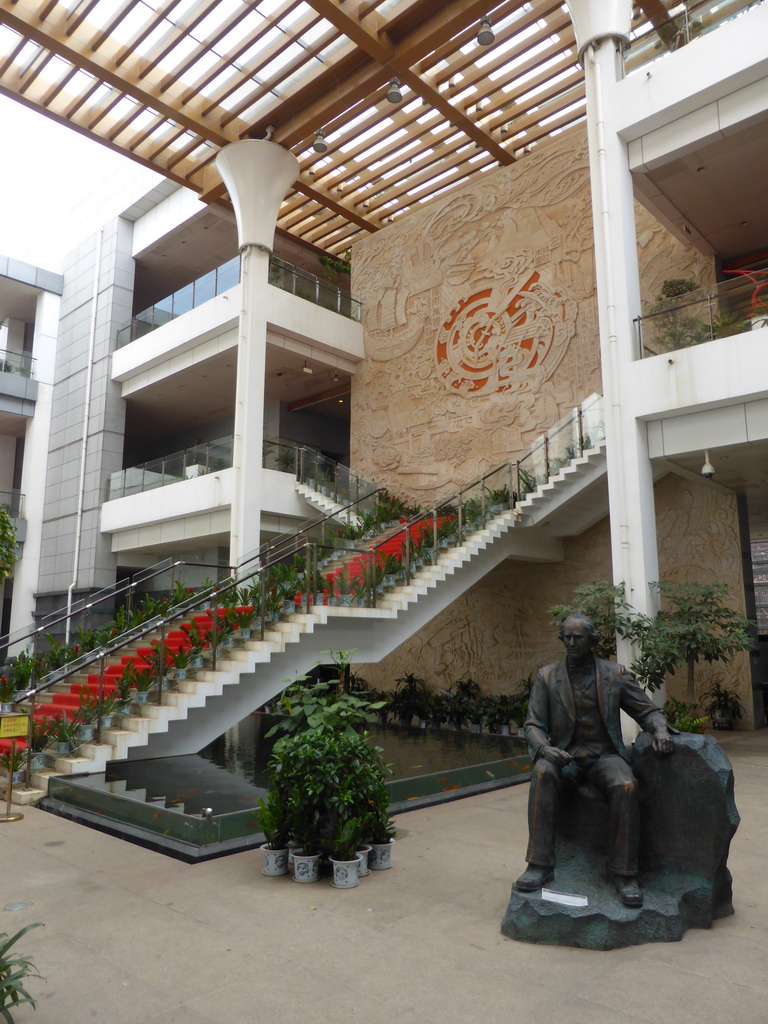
x=132, y=936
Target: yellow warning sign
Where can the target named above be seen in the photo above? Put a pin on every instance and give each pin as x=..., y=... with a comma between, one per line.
x=13, y=726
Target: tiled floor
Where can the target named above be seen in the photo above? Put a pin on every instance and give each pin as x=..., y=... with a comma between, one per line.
x=131, y=936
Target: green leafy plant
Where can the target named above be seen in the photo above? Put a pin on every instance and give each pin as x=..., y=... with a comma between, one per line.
x=673, y=325
x=15, y=969
x=12, y=764
x=42, y=734
x=694, y=624
x=274, y=819
x=722, y=700
x=320, y=707
x=64, y=730
x=411, y=697
x=347, y=837
x=604, y=604
x=8, y=689
x=683, y=716
x=7, y=543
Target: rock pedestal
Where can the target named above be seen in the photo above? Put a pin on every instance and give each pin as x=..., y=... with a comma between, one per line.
x=688, y=818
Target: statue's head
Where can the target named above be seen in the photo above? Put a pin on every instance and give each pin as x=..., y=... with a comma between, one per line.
x=579, y=636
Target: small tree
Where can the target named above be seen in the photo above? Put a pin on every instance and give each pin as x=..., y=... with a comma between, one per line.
x=7, y=543
x=694, y=624
x=604, y=604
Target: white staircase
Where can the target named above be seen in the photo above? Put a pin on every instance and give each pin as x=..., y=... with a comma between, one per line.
x=317, y=500
x=248, y=677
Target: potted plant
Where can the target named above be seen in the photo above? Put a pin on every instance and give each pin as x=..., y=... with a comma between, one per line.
x=475, y=712
x=498, y=713
x=64, y=733
x=8, y=690
x=412, y=697
x=140, y=682
x=275, y=824
x=13, y=766
x=344, y=845
x=722, y=704
x=180, y=661
x=381, y=836
x=86, y=716
x=42, y=735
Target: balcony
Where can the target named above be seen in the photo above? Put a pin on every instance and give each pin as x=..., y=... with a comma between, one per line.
x=182, y=301
x=199, y=460
x=17, y=362
x=282, y=275
x=13, y=503
x=695, y=316
x=693, y=19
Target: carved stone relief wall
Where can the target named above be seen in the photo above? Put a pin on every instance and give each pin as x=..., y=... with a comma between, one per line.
x=480, y=321
x=499, y=631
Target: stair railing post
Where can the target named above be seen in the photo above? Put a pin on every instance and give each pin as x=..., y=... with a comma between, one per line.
x=546, y=458
x=580, y=428
x=512, y=495
x=161, y=663
x=262, y=600
x=307, y=575
x=102, y=658
x=460, y=517
x=373, y=560
x=30, y=725
x=407, y=553
x=482, y=499
x=434, y=536
x=215, y=626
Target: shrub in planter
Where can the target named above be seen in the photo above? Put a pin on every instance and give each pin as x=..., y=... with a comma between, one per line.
x=326, y=778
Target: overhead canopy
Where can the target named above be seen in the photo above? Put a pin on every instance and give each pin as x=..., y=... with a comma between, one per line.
x=168, y=82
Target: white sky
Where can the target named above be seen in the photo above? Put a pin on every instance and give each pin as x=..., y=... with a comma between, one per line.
x=48, y=176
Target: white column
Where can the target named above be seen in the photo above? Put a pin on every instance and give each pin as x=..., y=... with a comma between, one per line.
x=33, y=474
x=257, y=176
x=599, y=25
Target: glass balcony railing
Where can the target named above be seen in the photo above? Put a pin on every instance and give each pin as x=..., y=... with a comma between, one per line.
x=182, y=301
x=17, y=362
x=688, y=21
x=698, y=315
x=314, y=289
x=208, y=457
x=281, y=275
x=13, y=503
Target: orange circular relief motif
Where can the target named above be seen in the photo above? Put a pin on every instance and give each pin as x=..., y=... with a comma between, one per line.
x=483, y=349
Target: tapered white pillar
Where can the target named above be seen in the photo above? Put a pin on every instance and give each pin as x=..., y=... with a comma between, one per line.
x=257, y=176
x=601, y=26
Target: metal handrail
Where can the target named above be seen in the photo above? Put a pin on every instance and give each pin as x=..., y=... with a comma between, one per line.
x=306, y=285
x=273, y=552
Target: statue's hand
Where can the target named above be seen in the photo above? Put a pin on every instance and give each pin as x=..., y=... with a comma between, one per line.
x=662, y=741
x=556, y=756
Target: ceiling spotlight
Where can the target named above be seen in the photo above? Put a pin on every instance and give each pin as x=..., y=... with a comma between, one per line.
x=485, y=36
x=394, y=95
x=707, y=470
x=306, y=368
x=320, y=145
x=333, y=375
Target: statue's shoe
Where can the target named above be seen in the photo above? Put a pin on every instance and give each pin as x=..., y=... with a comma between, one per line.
x=533, y=878
x=629, y=890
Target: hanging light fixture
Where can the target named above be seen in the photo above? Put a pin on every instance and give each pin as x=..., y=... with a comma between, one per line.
x=394, y=95
x=320, y=145
x=485, y=36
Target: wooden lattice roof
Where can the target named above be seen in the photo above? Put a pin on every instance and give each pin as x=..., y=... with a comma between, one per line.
x=168, y=82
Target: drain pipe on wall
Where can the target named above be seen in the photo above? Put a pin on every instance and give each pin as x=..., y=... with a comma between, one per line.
x=86, y=427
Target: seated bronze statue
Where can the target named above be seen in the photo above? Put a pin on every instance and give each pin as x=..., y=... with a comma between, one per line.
x=574, y=732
